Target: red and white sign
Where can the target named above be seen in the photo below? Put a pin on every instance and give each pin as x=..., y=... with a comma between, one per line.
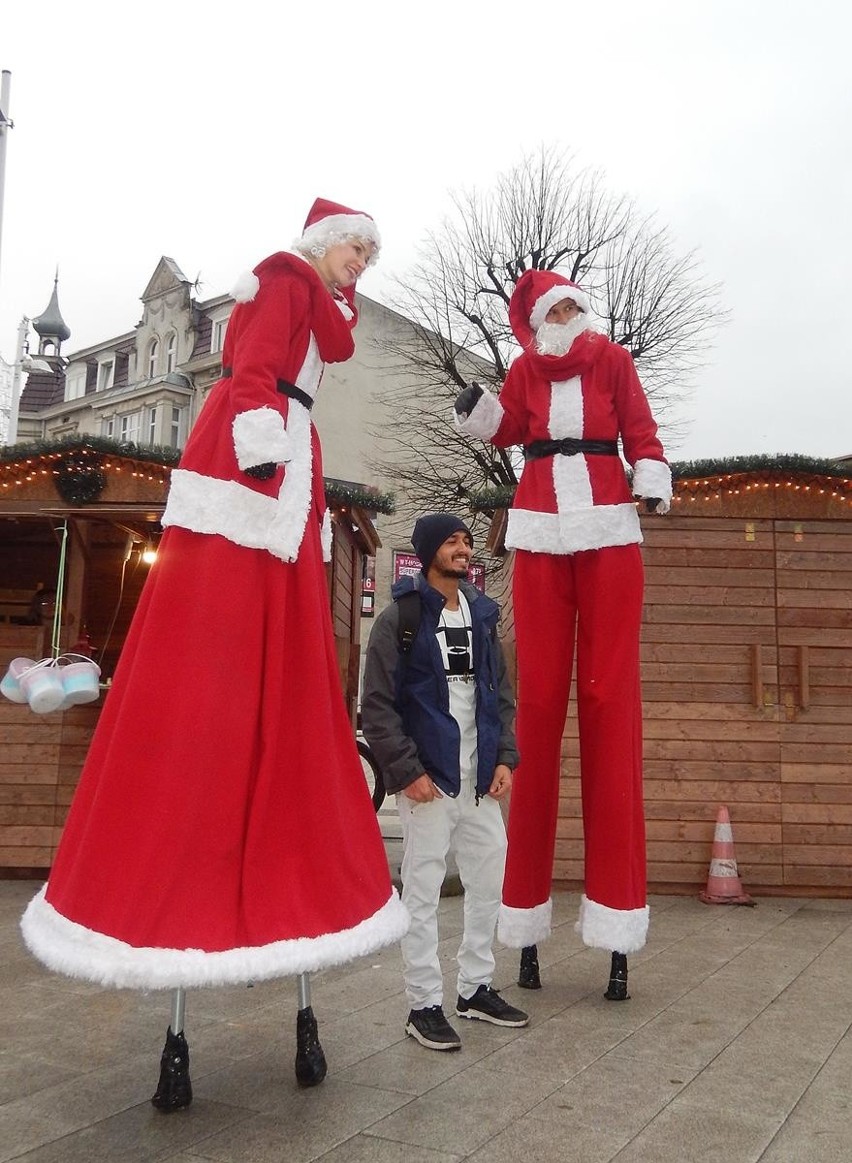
x=408, y=565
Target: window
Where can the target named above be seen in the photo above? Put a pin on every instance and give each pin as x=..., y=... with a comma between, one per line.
x=217, y=342
x=75, y=382
x=153, y=353
x=108, y=427
x=152, y=425
x=171, y=352
x=106, y=371
x=128, y=427
x=177, y=428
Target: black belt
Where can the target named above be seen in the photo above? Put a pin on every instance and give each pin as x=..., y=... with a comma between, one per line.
x=570, y=446
x=283, y=387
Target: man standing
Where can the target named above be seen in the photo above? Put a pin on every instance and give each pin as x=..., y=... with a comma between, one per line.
x=578, y=582
x=437, y=710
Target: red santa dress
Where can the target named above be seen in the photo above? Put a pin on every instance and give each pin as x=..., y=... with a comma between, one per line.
x=577, y=589
x=222, y=830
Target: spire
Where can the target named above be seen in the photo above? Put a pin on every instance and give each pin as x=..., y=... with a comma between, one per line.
x=50, y=327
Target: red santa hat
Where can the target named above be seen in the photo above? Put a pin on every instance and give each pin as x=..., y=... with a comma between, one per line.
x=329, y=223
x=534, y=294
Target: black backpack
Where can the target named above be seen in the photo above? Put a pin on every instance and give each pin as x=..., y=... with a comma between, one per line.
x=410, y=611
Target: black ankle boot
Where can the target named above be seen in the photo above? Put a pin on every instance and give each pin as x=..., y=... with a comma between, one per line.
x=528, y=974
x=311, y=1066
x=617, y=989
x=174, y=1090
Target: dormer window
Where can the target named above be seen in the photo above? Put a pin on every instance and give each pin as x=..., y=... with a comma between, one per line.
x=153, y=354
x=217, y=338
x=106, y=372
x=171, y=352
x=75, y=382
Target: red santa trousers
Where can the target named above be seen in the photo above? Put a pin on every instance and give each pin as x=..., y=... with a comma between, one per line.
x=594, y=599
x=222, y=830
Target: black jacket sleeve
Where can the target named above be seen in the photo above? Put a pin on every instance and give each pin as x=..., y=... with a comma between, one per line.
x=381, y=722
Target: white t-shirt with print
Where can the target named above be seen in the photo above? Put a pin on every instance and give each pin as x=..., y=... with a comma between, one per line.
x=455, y=638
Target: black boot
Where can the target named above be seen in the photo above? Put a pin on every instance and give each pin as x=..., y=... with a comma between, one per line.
x=617, y=989
x=528, y=974
x=174, y=1090
x=311, y=1066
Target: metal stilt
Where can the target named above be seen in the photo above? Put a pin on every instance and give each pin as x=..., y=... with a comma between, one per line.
x=311, y=1066
x=174, y=1090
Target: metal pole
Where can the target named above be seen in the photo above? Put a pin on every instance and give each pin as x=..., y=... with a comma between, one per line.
x=5, y=125
x=178, y=1010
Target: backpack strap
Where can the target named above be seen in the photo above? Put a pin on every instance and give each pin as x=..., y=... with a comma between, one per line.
x=410, y=611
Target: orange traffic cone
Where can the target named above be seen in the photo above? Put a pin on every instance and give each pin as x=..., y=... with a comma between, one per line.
x=723, y=882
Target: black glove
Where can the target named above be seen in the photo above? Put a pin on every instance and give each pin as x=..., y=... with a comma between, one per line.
x=651, y=504
x=261, y=472
x=467, y=399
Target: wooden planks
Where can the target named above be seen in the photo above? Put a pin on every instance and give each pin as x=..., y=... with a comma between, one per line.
x=747, y=688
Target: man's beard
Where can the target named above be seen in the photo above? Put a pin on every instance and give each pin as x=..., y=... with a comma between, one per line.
x=556, y=338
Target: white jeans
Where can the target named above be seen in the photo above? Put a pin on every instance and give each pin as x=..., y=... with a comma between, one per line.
x=476, y=835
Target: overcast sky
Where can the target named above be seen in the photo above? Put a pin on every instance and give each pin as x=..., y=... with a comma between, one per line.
x=204, y=131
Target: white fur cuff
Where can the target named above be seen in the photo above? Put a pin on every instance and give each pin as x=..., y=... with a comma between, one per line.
x=246, y=287
x=518, y=928
x=653, y=478
x=484, y=420
x=618, y=930
x=260, y=438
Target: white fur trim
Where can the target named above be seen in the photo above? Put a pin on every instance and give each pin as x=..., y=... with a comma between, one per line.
x=518, y=928
x=336, y=228
x=207, y=505
x=619, y=930
x=71, y=949
x=485, y=418
x=260, y=437
x=653, y=478
x=344, y=308
x=288, y=526
x=555, y=295
x=592, y=528
x=246, y=287
x=326, y=535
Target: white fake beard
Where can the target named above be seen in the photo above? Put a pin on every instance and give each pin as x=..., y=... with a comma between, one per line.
x=556, y=338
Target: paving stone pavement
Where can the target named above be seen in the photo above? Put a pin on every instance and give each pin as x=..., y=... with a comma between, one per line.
x=734, y=1048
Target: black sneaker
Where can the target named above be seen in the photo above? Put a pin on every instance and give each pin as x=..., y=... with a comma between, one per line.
x=431, y=1028
x=488, y=1006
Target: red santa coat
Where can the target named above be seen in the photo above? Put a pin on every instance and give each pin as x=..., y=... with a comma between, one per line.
x=568, y=503
x=222, y=830
x=574, y=520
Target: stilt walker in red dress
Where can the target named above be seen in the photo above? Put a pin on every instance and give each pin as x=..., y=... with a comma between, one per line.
x=577, y=589
x=222, y=830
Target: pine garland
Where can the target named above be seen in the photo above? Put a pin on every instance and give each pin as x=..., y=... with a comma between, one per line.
x=148, y=453
x=79, y=459
x=346, y=493
x=765, y=465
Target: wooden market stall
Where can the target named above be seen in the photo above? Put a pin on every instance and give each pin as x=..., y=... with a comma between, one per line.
x=92, y=508
x=746, y=678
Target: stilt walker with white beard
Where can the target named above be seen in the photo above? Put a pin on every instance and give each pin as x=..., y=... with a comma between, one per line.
x=222, y=831
x=577, y=588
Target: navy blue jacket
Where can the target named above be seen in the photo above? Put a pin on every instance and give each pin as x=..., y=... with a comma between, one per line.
x=405, y=703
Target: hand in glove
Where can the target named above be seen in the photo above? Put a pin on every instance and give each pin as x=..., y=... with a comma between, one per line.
x=467, y=399
x=261, y=472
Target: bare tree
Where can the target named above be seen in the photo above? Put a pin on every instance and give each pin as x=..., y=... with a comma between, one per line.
x=541, y=214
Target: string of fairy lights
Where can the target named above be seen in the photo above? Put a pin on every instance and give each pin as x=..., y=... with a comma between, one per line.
x=740, y=477
x=736, y=485
x=81, y=472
